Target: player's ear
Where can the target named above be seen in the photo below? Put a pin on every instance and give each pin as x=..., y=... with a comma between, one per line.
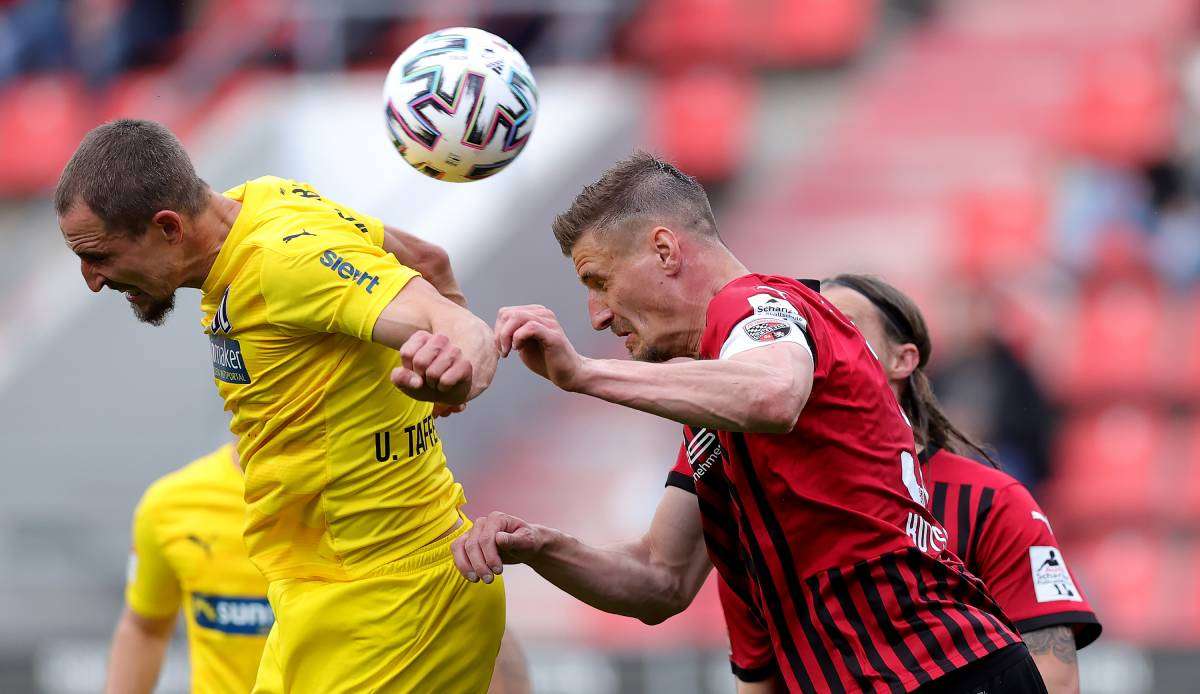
x=666, y=248
x=905, y=360
x=169, y=224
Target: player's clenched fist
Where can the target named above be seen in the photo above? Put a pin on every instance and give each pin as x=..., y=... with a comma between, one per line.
x=433, y=370
x=543, y=345
x=496, y=540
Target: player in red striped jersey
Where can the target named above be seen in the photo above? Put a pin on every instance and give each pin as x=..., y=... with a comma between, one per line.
x=814, y=510
x=991, y=520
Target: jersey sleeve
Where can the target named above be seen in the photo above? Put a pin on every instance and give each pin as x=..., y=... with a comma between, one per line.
x=340, y=288
x=681, y=475
x=750, y=654
x=1019, y=559
x=151, y=587
x=747, y=317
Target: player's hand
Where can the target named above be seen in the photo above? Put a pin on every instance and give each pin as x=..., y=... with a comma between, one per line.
x=535, y=333
x=433, y=370
x=498, y=539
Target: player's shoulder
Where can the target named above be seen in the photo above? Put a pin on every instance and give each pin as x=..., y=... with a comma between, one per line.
x=761, y=296
x=251, y=190
x=290, y=218
x=180, y=485
x=737, y=291
x=947, y=466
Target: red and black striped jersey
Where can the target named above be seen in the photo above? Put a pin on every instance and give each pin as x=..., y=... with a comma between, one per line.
x=1003, y=536
x=824, y=530
x=992, y=522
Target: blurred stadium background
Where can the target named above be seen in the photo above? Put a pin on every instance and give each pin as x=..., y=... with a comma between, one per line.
x=1028, y=169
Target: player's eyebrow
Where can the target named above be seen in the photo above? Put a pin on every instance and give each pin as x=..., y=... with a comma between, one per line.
x=91, y=256
x=590, y=278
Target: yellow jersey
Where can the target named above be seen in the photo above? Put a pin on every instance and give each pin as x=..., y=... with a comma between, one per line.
x=344, y=473
x=188, y=551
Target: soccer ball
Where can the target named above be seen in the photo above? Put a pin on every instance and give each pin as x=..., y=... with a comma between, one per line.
x=460, y=104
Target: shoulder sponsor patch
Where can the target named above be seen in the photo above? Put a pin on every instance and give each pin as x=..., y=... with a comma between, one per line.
x=1051, y=580
x=777, y=307
x=232, y=615
x=344, y=269
x=757, y=330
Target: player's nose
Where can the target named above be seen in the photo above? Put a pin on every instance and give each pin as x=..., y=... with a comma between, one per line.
x=600, y=314
x=95, y=281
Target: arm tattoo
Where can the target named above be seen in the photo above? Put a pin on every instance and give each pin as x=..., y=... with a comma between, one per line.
x=1058, y=640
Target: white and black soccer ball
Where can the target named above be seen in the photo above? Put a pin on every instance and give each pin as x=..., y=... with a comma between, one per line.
x=460, y=104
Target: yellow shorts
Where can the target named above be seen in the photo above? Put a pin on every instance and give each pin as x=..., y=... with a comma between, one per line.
x=415, y=625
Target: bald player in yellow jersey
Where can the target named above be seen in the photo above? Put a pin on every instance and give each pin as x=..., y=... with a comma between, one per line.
x=351, y=509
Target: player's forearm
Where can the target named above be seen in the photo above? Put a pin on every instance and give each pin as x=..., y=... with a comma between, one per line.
x=427, y=258
x=1053, y=651
x=619, y=579
x=726, y=394
x=136, y=658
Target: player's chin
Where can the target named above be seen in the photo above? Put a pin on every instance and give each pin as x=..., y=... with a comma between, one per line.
x=648, y=353
x=153, y=311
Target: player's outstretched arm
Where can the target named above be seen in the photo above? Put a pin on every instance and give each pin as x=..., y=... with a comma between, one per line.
x=759, y=390
x=139, y=646
x=429, y=259
x=651, y=578
x=448, y=354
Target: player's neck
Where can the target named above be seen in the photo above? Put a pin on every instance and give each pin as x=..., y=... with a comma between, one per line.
x=722, y=267
x=211, y=230
x=718, y=267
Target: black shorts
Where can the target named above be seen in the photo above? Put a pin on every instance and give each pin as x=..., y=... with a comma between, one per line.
x=1010, y=670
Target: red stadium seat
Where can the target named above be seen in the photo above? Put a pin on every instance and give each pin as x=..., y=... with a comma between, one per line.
x=998, y=233
x=674, y=33
x=1186, y=475
x=700, y=120
x=1134, y=601
x=807, y=32
x=1109, y=467
x=1118, y=346
x=1123, y=111
x=41, y=121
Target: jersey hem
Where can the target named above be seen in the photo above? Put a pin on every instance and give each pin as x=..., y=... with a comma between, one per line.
x=150, y=614
x=753, y=674
x=1085, y=625
x=682, y=481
